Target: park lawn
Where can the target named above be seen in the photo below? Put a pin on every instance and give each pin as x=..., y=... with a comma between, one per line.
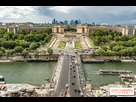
x=78, y=45
x=61, y=44
x=91, y=42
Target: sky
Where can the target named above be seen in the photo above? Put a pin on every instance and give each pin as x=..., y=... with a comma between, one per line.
x=87, y=14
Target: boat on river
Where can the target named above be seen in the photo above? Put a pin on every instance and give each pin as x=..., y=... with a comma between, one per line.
x=93, y=61
x=113, y=71
x=37, y=60
x=114, y=60
x=2, y=80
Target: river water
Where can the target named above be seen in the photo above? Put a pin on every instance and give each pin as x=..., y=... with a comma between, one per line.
x=97, y=79
x=27, y=72
x=35, y=72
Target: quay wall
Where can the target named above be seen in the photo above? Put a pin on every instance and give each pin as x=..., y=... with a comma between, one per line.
x=53, y=57
x=87, y=56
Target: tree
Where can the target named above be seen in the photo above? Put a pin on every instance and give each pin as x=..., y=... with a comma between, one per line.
x=111, y=45
x=36, y=54
x=130, y=51
x=50, y=51
x=48, y=30
x=39, y=37
x=104, y=47
x=42, y=51
x=18, y=49
x=99, y=51
x=8, y=53
x=2, y=49
x=22, y=31
x=1, y=53
x=29, y=37
x=33, y=46
x=24, y=53
x=93, y=54
x=100, y=32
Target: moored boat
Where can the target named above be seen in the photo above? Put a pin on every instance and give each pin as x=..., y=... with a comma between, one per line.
x=111, y=71
x=93, y=61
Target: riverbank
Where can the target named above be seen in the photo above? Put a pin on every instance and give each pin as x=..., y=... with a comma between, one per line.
x=6, y=61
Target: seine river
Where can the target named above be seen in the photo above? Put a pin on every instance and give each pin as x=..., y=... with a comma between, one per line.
x=96, y=78
x=27, y=72
x=35, y=72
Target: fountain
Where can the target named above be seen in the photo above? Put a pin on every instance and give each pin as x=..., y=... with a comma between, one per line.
x=70, y=45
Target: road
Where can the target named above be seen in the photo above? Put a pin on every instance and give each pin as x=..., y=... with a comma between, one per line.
x=63, y=80
x=73, y=79
x=67, y=78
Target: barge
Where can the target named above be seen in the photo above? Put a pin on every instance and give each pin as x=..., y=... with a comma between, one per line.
x=37, y=60
x=113, y=60
x=112, y=71
x=93, y=61
x=129, y=77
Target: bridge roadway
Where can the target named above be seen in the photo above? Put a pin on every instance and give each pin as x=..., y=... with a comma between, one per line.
x=67, y=78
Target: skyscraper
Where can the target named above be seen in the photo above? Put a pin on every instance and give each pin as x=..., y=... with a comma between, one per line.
x=79, y=22
x=65, y=22
x=53, y=22
x=76, y=22
x=60, y=22
x=72, y=22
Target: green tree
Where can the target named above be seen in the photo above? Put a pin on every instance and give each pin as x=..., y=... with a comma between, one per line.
x=29, y=37
x=8, y=53
x=1, y=53
x=33, y=46
x=42, y=51
x=93, y=54
x=18, y=49
x=36, y=54
x=113, y=44
x=100, y=32
x=39, y=37
x=50, y=51
x=99, y=51
x=130, y=51
x=22, y=31
x=2, y=49
x=48, y=30
x=24, y=53
x=104, y=47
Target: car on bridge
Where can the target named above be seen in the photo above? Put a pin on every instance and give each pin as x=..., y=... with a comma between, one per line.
x=66, y=85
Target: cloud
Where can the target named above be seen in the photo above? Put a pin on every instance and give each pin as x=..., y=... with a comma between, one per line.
x=87, y=14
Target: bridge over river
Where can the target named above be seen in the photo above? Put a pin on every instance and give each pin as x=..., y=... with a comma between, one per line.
x=68, y=72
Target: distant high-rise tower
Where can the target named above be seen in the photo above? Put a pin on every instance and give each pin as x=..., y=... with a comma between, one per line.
x=65, y=22
x=76, y=22
x=53, y=22
x=79, y=22
x=72, y=22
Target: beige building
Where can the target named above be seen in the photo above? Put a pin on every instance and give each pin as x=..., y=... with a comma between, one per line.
x=82, y=28
x=13, y=29
x=57, y=28
x=129, y=30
